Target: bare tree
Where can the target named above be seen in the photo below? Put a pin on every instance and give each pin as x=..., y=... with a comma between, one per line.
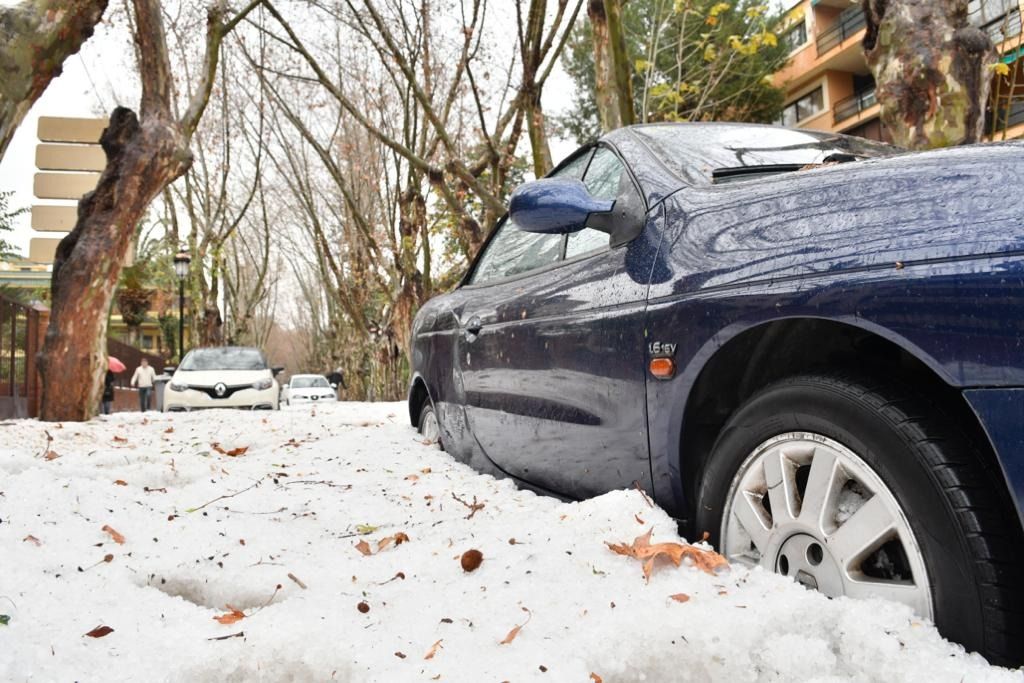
x=931, y=68
x=144, y=155
x=36, y=37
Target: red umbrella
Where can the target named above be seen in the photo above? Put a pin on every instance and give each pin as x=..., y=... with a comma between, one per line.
x=115, y=365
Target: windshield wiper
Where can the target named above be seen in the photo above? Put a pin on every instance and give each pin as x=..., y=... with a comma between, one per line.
x=733, y=173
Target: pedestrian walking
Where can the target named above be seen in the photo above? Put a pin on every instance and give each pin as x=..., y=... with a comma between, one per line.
x=143, y=379
x=337, y=380
x=106, y=404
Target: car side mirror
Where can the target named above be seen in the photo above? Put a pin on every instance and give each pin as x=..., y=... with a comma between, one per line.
x=554, y=206
x=563, y=205
x=278, y=370
x=333, y=385
x=169, y=369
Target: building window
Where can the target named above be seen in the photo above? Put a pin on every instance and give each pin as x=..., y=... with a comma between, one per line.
x=807, y=106
x=147, y=342
x=795, y=36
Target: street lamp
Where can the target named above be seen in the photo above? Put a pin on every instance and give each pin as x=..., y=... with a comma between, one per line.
x=181, y=261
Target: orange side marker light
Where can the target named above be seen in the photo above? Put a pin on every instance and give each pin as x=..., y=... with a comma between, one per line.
x=663, y=368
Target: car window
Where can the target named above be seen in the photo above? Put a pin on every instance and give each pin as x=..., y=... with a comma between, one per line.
x=602, y=180
x=309, y=383
x=226, y=358
x=514, y=251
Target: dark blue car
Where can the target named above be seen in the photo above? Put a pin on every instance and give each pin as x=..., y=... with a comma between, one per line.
x=809, y=346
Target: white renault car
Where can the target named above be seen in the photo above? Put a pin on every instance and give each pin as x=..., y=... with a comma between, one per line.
x=303, y=389
x=223, y=377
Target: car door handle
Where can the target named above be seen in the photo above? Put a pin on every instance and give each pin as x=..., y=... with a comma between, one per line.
x=474, y=326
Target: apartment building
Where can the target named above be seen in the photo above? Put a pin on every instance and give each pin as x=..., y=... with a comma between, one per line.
x=829, y=87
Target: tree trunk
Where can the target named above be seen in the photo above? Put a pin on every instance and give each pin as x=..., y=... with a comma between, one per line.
x=538, y=137
x=612, y=70
x=35, y=39
x=141, y=161
x=931, y=70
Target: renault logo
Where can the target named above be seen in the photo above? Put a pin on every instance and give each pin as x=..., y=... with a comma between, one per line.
x=220, y=389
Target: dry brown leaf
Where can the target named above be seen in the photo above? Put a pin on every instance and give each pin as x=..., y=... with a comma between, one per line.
x=51, y=455
x=680, y=597
x=641, y=548
x=100, y=631
x=120, y=482
x=231, y=616
x=169, y=430
x=232, y=452
x=511, y=635
x=471, y=559
x=398, y=539
x=639, y=520
x=118, y=538
x=433, y=650
x=364, y=548
x=32, y=539
x=412, y=477
x=594, y=677
x=425, y=470
x=120, y=439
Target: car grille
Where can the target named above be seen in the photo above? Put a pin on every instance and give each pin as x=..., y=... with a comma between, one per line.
x=228, y=390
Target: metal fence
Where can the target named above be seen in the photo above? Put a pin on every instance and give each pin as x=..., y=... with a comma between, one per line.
x=20, y=340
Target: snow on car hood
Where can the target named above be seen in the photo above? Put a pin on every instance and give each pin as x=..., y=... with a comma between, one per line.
x=208, y=378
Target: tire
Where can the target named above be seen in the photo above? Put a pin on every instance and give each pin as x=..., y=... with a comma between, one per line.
x=953, y=530
x=429, y=426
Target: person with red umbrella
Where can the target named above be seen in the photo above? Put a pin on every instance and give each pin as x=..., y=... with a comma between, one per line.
x=113, y=366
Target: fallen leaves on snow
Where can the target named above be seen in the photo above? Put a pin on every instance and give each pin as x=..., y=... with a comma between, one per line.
x=433, y=650
x=100, y=631
x=32, y=539
x=641, y=549
x=232, y=616
x=515, y=629
x=398, y=539
x=114, y=534
x=680, y=597
x=232, y=452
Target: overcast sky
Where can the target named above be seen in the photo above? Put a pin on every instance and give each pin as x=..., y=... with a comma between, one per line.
x=94, y=81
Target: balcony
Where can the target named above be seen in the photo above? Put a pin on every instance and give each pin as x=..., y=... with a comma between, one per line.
x=849, y=107
x=1008, y=116
x=847, y=24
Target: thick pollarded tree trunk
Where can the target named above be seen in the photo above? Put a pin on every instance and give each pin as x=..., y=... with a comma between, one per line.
x=144, y=155
x=36, y=36
x=612, y=69
x=141, y=160
x=931, y=69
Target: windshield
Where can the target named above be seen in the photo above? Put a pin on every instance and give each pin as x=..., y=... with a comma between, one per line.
x=309, y=383
x=228, y=358
x=694, y=151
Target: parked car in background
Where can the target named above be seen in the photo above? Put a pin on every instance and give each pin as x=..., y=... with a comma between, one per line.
x=807, y=345
x=223, y=377
x=303, y=389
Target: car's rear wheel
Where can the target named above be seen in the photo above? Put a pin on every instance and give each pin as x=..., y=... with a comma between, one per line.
x=863, y=489
x=429, y=427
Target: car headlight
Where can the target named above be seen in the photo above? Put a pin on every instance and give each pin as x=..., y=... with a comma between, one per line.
x=178, y=386
x=263, y=384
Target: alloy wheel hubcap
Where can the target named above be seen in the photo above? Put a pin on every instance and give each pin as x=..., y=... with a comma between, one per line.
x=805, y=506
x=431, y=430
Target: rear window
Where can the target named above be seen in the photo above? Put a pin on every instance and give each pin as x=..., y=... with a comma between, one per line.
x=309, y=383
x=694, y=152
x=223, y=359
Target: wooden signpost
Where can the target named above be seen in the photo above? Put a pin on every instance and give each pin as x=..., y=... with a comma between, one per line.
x=69, y=159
